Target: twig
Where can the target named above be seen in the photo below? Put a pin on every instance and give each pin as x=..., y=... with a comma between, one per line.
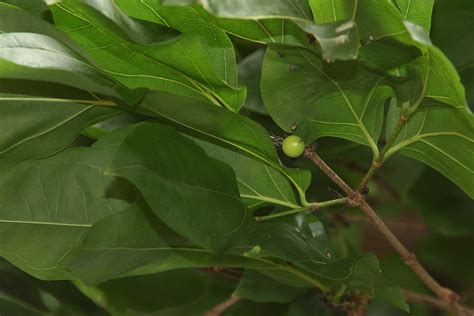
x=356, y=199
x=416, y=297
x=377, y=162
x=222, y=307
x=311, y=207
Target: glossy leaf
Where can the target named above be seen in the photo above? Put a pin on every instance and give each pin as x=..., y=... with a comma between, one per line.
x=51, y=117
x=417, y=12
x=37, y=7
x=245, y=8
x=150, y=66
x=440, y=79
x=258, y=182
x=368, y=268
x=192, y=21
x=304, y=244
x=202, y=204
x=386, y=43
x=16, y=20
x=224, y=128
x=151, y=248
x=273, y=22
x=441, y=137
x=339, y=100
x=40, y=219
x=36, y=56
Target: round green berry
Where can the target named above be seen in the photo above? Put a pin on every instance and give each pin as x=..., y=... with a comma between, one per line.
x=293, y=146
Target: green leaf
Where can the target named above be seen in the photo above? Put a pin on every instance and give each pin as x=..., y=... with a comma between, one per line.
x=441, y=80
x=167, y=66
x=39, y=57
x=441, y=137
x=265, y=31
x=191, y=21
x=367, y=277
x=150, y=247
x=417, y=12
x=258, y=182
x=37, y=7
x=338, y=100
x=244, y=8
x=202, y=204
x=226, y=129
x=256, y=287
x=274, y=22
x=16, y=20
x=386, y=44
x=51, y=117
x=47, y=205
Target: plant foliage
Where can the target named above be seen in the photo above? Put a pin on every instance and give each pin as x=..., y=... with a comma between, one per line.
x=140, y=161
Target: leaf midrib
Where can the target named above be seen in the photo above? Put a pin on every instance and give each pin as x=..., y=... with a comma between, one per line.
x=361, y=125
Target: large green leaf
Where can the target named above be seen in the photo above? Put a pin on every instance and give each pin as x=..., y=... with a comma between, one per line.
x=44, y=116
x=150, y=247
x=15, y=20
x=367, y=277
x=40, y=119
x=243, y=8
x=37, y=7
x=202, y=204
x=441, y=81
x=417, y=12
x=278, y=22
x=225, y=129
x=192, y=21
x=304, y=244
x=339, y=100
x=441, y=137
x=258, y=182
x=380, y=28
x=39, y=57
x=47, y=205
x=167, y=66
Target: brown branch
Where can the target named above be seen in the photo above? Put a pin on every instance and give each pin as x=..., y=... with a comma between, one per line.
x=421, y=298
x=361, y=302
x=356, y=199
x=377, y=162
x=222, y=307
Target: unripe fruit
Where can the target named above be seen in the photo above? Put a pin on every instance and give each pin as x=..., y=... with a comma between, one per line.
x=293, y=146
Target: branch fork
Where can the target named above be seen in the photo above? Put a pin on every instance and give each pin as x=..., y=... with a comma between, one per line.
x=358, y=200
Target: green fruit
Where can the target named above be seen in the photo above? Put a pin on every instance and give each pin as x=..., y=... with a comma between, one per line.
x=293, y=146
